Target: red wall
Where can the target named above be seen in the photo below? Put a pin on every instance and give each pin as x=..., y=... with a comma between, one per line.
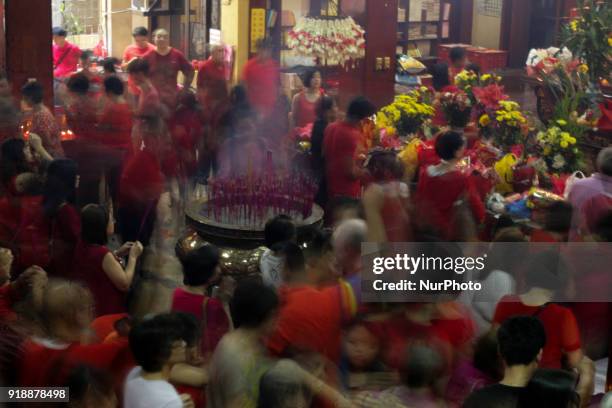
x=28, y=44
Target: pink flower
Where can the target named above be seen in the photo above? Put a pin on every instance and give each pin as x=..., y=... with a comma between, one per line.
x=490, y=95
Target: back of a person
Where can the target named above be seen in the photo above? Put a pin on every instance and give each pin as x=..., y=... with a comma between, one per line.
x=87, y=266
x=141, y=393
x=116, y=126
x=45, y=125
x=394, y=212
x=339, y=145
x=81, y=118
x=262, y=79
x=141, y=181
x=495, y=396
x=309, y=320
x=31, y=234
x=436, y=196
x=559, y=323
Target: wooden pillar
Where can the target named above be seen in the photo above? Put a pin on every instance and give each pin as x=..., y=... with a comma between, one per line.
x=28, y=44
x=515, y=27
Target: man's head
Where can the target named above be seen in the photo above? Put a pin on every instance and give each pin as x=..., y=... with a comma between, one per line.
x=78, y=84
x=32, y=94
x=67, y=309
x=265, y=49
x=141, y=37
x=254, y=306
x=138, y=70
x=201, y=266
x=59, y=36
x=113, y=86
x=359, y=109
x=521, y=340
x=346, y=241
x=450, y=146
x=457, y=57
x=604, y=161
x=161, y=39
x=217, y=53
x=157, y=342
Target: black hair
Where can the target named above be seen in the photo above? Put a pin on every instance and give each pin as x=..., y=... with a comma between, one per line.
x=558, y=217
x=546, y=270
x=475, y=68
x=279, y=229
x=137, y=66
x=456, y=54
x=114, y=85
x=319, y=243
x=458, y=118
x=360, y=108
x=33, y=92
x=440, y=76
x=89, y=384
x=422, y=366
x=324, y=105
x=276, y=388
x=293, y=258
x=59, y=31
x=190, y=329
x=308, y=76
x=199, y=265
x=85, y=55
x=79, y=84
x=448, y=143
x=486, y=357
x=151, y=341
x=253, y=303
x=264, y=44
x=550, y=388
x=94, y=223
x=140, y=31
x=13, y=161
x=520, y=339
x=238, y=96
x=60, y=185
x=109, y=65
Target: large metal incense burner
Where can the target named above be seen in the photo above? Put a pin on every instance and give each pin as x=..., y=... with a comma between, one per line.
x=234, y=213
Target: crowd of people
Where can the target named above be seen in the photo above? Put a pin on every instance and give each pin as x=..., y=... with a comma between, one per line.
x=300, y=335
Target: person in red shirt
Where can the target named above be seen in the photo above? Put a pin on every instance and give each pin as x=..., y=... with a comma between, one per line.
x=100, y=268
x=141, y=185
x=115, y=123
x=65, y=61
x=65, y=54
x=200, y=270
x=138, y=49
x=47, y=358
x=341, y=151
x=261, y=77
x=305, y=102
x=310, y=319
x=441, y=187
x=165, y=63
x=545, y=274
x=43, y=122
x=212, y=81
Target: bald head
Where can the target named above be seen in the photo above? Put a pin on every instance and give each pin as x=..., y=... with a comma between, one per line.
x=347, y=240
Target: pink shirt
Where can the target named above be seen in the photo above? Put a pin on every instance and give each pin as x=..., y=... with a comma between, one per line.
x=65, y=59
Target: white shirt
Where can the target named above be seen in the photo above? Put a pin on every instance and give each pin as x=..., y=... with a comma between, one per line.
x=141, y=393
x=271, y=267
x=496, y=285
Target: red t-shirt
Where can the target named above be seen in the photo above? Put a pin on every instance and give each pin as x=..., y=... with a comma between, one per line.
x=115, y=126
x=217, y=323
x=43, y=364
x=88, y=268
x=305, y=111
x=437, y=194
x=65, y=59
x=82, y=118
x=141, y=182
x=163, y=73
x=261, y=79
x=212, y=84
x=310, y=319
x=134, y=51
x=339, y=145
x=562, y=334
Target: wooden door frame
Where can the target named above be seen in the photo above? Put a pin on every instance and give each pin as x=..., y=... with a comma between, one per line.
x=515, y=29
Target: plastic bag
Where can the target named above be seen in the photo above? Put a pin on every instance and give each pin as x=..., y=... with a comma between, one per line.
x=505, y=170
x=409, y=157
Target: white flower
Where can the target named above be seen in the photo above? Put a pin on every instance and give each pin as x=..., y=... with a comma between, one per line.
x=558, y=161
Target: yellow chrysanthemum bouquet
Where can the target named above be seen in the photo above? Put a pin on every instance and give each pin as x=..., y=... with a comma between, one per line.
x=506, y=124
x=559, y=149
x=407, y=113
x=466, y=81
